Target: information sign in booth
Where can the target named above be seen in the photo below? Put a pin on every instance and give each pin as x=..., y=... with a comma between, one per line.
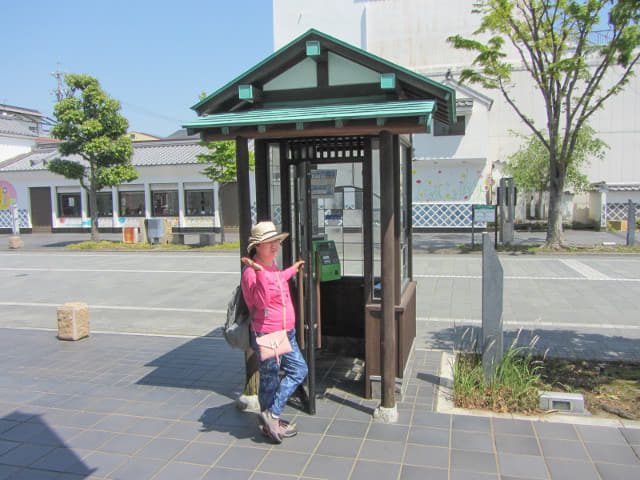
x=332, y=139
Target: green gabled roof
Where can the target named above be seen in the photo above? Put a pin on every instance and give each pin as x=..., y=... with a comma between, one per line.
x=309, y=114
x=421, y=87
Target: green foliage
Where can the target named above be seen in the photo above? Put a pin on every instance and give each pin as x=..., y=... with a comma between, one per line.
x=90, y=127
x=529, y=166
x=553, y=41
x=514, y=387
x=221, y=161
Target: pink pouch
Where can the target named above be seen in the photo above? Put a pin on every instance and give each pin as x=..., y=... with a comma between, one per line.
x=273, y=345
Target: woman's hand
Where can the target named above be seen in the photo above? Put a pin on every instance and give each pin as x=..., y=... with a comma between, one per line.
x=250, y=263
x=298, y=265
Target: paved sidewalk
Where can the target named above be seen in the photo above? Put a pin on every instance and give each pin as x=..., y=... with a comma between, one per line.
x=149, y=407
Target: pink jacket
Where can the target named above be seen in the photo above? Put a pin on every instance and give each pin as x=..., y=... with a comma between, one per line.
x=262, y=290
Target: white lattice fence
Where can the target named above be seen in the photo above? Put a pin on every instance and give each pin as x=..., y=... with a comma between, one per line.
x=442, y=215
x=619, y=211
x=7, y=222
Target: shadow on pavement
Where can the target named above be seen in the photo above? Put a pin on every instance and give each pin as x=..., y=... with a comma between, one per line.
x=553, y=343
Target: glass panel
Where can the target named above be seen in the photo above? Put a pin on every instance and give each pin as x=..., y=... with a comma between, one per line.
x=198, y=203
x=165, y=203
x=69, y=205
x=375, y=191
x=131, y=204
x=105, y=205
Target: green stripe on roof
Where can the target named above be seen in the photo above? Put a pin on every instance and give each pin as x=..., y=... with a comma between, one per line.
x=315, y=114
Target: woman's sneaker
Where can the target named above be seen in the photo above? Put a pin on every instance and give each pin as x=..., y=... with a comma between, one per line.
x=272, y=428
x=288, y=430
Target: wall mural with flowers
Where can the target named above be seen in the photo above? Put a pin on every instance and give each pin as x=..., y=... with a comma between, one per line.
x=459, y=182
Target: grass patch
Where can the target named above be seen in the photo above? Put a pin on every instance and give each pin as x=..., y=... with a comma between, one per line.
x=114, y=245
x=610, y=389
x=513, y=388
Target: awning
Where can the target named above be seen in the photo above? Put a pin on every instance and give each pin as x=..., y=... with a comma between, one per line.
x=399, y=117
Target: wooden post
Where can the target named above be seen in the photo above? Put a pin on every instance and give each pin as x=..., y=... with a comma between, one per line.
x=244, y=217
x=387, y=220
x=262, y=181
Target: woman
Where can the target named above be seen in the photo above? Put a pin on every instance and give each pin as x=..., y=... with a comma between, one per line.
x=266, y=289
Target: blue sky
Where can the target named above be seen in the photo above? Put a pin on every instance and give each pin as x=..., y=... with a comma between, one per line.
x=154, y=56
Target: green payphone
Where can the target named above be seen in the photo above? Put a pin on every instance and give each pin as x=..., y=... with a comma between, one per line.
x=329, y=260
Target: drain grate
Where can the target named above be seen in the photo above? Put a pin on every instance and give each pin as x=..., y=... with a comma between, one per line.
x=562, y=402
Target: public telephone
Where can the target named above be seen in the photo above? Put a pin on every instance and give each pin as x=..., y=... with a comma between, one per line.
x=329, y=260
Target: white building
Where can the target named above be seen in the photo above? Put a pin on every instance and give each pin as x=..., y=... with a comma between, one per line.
x=170, y=186
x=413, y=33
x=20, y=129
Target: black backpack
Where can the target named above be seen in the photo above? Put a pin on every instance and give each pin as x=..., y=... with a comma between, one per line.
x=236, y=328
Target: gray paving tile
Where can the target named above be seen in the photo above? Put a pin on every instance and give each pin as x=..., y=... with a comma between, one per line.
x=463, y=475
x=366, y=470
x=310, y=424
x=347, y=428
x=611, y=471
x=101, y=464
x=468, y=423
x=6, y=445
x=632, y=435
x=6, y=471
x=517, y=444
x=473, y=461
x=283, y=463
x=201, y=453
x=512, y=427
x=355, y=412
x=622, y=454
x=429, y=419
x=464, y=440
x=217, y=473
x=595, y=434
x=565, y=469
x=125, y=444
x=329, y=467
x=411, y=472
x=564, y=449
x=388, y=432
x=523, y=466
x=339, y=446
x=164, y=448
x=437, y=437
x=420, y=455
x=24, y=454
x=382, y=451
x=138, y=469
x=241, y=457
x=174, y=470
x=59, y=460
x=23, y=432
x=148, y=426
x=90, y=439
x=34, y=474
x=556, y=431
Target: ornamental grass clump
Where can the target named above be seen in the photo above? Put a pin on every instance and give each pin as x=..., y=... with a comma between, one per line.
x=513, y=388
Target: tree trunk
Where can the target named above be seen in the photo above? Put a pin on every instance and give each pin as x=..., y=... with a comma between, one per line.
x=252, y=373
x=555, y=237
x=219, y=194
x=93, y=205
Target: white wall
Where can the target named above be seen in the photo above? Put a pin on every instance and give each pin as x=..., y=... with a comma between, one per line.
x=12, y=147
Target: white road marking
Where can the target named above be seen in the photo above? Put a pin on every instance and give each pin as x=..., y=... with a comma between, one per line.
x=113, y=270
x=529, y=324
x=586, y=270
x=118, y=307
x=530, y=277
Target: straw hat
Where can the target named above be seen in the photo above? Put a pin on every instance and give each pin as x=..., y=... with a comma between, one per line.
x=264, y=232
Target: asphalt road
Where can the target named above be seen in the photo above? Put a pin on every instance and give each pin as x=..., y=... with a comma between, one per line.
x=577, y=304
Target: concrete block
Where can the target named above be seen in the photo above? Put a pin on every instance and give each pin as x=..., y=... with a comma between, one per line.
x=562, y=401
x=73, y=321
x=15, y=242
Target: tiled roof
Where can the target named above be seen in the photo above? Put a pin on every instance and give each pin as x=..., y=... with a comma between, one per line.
x=144, y=154
x=13, y=127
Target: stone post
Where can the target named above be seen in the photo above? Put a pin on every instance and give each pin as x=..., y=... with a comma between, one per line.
x=73, y=321
x=631, y=224
x=492, y=288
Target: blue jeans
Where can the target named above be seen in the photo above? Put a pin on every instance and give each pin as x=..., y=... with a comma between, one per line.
x=273, y=392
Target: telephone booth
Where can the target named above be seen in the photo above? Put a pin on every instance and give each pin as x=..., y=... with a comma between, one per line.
x=331, y=126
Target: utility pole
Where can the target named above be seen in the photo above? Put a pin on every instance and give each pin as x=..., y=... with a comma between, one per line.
x=60, y=92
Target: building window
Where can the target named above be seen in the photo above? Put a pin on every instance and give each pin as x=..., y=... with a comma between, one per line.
x=441, y=129
x=69, y=205
x=131, y=204
x=165, y=203
x=198, y=203
x=105, y=206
